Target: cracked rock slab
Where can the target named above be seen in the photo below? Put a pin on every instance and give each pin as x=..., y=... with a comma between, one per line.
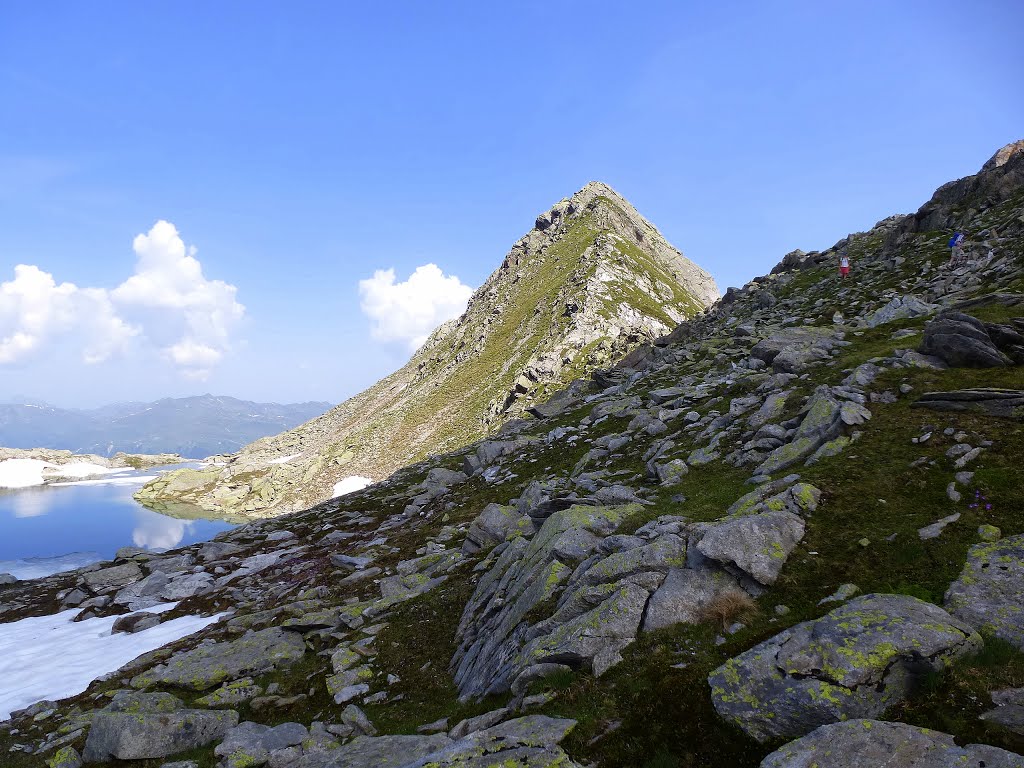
x=856, y=661
x=136, y=726
x=989, y=594
x=867, y=743
x=210, y=665
x=758, y=545
x=684, y=595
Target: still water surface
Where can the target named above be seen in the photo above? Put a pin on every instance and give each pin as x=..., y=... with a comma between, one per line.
x=45, y=529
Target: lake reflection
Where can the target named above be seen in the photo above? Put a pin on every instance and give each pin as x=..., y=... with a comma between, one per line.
x=156, y=531
x=51, y=528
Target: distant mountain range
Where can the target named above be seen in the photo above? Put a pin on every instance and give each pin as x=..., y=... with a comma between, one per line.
x=191, y=426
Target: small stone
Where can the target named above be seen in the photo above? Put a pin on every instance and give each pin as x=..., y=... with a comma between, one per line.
x=845, y=592
x=953, y=493
x=865, y=542
x=781, y=610
x=988, y=532
x=65, y=757
x=135, y=622
x=438, y=726
x=350, y=692
x=906, y=389
x=356, y=719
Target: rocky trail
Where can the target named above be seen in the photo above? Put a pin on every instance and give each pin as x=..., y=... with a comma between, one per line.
x=787, y=533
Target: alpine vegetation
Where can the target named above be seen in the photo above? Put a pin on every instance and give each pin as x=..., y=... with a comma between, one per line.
x=617, y=523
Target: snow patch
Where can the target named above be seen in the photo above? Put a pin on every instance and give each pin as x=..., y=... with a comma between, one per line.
x=131, y=480
x=24, y=473
x=284, y=459
x=82, y=469
x=86, y=650
x=38, y=567
x=350, y=484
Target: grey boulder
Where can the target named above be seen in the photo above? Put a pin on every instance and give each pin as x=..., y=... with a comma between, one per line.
x=989, y=593
x=961, y=341
x=137, y=726
x=856, y=661
x=758, y=544
x=685, y=593
x=492, y=526
x=250, y=744
x=114, y=577
x=212, y=664
x=878, y=744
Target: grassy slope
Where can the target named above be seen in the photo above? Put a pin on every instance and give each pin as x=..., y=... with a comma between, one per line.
x=645, y=712
x=654, y=709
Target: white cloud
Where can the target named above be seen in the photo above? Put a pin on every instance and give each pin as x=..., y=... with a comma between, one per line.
x=409, y=311
x=190, y=317
x=34, y=310
x=167, y=303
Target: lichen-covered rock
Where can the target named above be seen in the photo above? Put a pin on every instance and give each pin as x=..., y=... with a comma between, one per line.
x=855, y=661
x=526, y=742
x=758, y=544
x=376, y=751
x=878, y=744
x=526, y=573
x=493, y=526
x=138, y=726
x=989, y=593
x=65, y=757
x=250, y=744
x=231, y=694
x=594, y=639
x=822, y=422
x=209, y=665
x=683, y=596
x=671, y=472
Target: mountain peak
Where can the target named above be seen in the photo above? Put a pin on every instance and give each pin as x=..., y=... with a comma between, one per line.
x=1002, y=157
x=590, y=281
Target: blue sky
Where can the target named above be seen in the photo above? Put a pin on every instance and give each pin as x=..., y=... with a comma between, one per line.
x=301, y=148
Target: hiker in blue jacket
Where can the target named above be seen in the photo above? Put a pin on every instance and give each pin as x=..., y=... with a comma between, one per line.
x=956, y=244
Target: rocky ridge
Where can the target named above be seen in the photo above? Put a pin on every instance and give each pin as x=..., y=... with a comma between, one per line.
x=756, y=529
x=589, y=282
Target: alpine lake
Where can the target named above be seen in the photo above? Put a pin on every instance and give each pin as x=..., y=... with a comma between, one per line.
x=50, y=528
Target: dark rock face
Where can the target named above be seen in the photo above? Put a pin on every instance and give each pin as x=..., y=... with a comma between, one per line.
x=963, y=341
x=1003, y=403
x=998, y=179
